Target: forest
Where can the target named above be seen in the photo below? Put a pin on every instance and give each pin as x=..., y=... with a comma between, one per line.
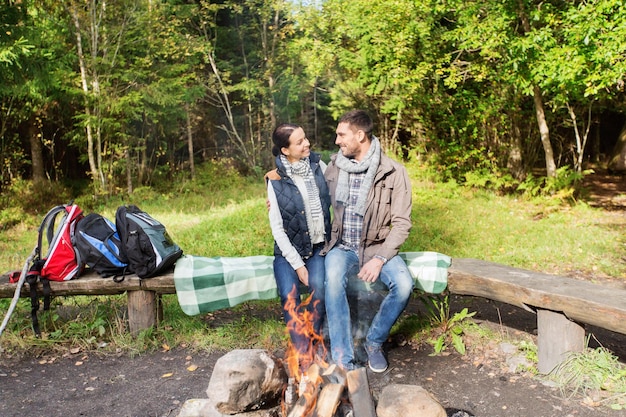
x=123, y=94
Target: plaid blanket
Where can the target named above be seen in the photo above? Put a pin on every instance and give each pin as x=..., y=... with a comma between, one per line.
x=207, y=284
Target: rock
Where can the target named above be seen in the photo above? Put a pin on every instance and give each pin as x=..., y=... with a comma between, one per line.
x=408, y=401
x=205, y=408
x=245, y=380
x=198, y=408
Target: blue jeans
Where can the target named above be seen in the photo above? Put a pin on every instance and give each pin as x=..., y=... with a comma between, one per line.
x=289, y=287
x=340, y=263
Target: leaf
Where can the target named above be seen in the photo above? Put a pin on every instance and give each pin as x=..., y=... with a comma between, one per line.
x=457, y=342
x=167, y=375
x=192, y=368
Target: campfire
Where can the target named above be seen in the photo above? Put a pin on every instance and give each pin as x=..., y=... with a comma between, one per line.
x=256, y=383
x=316, y=388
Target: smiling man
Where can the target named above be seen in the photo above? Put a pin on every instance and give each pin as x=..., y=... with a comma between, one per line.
x=371, y=200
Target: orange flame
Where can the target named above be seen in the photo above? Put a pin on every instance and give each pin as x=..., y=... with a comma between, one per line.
x=300, y=363
x=302, y=323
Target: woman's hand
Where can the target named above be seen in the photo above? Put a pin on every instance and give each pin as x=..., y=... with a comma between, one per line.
x=303, y=275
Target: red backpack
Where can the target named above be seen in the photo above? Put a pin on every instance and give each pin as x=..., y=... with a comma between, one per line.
x=62, y=261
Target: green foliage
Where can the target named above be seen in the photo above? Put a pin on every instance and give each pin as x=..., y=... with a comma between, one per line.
x=11, y=216
x=211, y=176
x=35, y=197
x=530, y=351
x=450, y=326
x=564, y=186
x=595, y=373
x=490, y=180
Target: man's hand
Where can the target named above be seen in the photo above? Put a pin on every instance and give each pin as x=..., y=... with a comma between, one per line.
x=371, y=270
x=303, y=275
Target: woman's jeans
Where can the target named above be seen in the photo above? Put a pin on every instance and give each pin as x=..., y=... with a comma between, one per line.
x=340, y=265
x=289, y=288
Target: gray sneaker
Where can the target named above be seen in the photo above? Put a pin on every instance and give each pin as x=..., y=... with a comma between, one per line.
x=376, y=358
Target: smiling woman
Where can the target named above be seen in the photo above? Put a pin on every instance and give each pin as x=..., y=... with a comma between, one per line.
x=299, y=214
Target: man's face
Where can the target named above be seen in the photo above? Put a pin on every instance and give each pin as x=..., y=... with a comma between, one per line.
x=350, y=141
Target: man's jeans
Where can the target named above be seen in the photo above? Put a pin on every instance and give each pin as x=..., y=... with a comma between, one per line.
x=340, y=265
x=287, y=280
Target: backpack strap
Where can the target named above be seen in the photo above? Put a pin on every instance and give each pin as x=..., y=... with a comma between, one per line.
x=45, y=282
x=120, y=278
x=32, y=277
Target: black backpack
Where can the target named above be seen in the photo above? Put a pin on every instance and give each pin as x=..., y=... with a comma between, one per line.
x=100, y=247
x=148, y=246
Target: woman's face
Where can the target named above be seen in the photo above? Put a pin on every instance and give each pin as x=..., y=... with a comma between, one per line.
x=299, y=146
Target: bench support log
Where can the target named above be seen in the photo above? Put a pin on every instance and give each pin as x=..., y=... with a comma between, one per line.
x=557, y=336
x=142, y=311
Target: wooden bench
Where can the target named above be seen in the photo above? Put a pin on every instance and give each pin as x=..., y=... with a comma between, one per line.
x=144, y=308
x=562, y=304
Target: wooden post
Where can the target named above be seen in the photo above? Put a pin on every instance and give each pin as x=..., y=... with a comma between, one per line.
x=556, y=337
x=159, y=312
x=141, y=310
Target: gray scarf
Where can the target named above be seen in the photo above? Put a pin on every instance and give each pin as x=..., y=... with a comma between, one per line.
x=346, y=166
x=303, y=169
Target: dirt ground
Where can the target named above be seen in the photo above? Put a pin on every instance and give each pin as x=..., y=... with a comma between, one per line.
x=484, y=383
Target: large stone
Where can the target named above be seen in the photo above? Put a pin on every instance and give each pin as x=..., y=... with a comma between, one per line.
x=408, y=401
x=246, y=380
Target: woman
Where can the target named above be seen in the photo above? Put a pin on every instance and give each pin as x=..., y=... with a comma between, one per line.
x=299, y=213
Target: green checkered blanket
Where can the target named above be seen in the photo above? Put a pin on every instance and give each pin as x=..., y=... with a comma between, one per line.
x=207, y=284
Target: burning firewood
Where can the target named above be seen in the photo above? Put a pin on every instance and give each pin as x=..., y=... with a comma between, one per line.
x=359, y=392
x=328, y=400
x=333, y=374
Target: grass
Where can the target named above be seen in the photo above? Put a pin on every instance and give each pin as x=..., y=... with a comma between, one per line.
x=221, y=214
x=596, y=374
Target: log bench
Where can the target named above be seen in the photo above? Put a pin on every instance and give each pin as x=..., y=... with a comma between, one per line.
x=563, y=305
x=144, y=308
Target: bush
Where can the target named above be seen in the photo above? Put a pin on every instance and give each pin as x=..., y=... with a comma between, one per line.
x=35, y=197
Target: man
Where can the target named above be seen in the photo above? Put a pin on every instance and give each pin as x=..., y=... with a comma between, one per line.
x=371, y=200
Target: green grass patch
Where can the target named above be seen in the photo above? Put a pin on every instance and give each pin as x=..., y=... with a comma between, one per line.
x=596, y=374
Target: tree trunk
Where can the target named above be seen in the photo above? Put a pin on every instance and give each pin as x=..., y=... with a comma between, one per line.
x=36, y=150
x=545, y=133
x=515, y=163
x=539, y=110
x=192, y=168
x=129, y=175
x=617, y=161
x=85, y=85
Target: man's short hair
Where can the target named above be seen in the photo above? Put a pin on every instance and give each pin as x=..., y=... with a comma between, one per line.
x=359, y=119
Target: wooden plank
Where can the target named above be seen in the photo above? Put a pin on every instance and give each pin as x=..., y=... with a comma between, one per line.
x=328, y=400
x=93, y=284
x=333, y=374
x=599, y=305
x=359, y=392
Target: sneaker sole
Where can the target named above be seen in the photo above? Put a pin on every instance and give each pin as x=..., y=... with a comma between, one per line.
x=377, y=370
